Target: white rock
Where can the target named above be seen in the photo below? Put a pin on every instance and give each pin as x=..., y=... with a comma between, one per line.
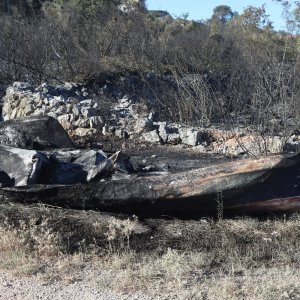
x=96, y=122
x=88, y=112
x=151, y=136
x=143, y=125
x=189, y=136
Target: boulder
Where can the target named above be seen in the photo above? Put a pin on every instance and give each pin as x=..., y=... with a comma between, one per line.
x=189, y=136
x=151, y=136
x=38, y=133
x=90, y=157
x=61, y=172
x=22, y=167
x=139, y=111
x=163, y=131
x=143, y=125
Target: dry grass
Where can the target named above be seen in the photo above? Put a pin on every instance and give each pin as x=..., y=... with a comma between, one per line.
x=244, y=258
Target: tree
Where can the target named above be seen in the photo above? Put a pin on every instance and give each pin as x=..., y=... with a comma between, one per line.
x=222, y=13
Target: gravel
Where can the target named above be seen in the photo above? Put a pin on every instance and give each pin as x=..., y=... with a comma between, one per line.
x=33, y=288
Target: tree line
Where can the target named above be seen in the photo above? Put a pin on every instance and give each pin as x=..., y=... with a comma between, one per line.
x=229, y=65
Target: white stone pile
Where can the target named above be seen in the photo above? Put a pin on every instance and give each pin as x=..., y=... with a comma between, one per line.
x=130, y=118
x=67, y=103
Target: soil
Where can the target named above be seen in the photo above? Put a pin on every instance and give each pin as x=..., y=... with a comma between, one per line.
x=33, y=288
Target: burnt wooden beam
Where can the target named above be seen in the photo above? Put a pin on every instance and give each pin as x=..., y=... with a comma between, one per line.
x=193, y=190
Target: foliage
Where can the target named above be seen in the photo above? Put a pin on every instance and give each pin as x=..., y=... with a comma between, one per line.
x=243, y=66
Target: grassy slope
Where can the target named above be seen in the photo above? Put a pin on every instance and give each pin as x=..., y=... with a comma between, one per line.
x=239, y=258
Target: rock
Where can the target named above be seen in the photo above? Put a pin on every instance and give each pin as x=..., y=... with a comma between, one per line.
x=23, y=167
x=143, y=125
x=120, y=133
x=105, y=129
x=189, y=136
x=61, y=110
x=248, y=144
x=83, y=131
x=292, y=144
x=39, y=133
x=87, y=103
x=200, y=148
x=174, y=139
x=23, y=86
x=88, y=112
x=139, y=111
x=96, y=122
x=65, y=121
x=76, y=110
x=121, y=163
x=163, y=131
x=90, y=157
x=21, y=101
x=151, y=136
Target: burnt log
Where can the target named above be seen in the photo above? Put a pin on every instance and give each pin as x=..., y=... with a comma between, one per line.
x=198, y=190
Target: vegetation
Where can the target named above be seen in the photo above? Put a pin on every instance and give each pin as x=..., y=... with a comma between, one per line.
x=233, y=68
x=202, y=259
x=241, y=66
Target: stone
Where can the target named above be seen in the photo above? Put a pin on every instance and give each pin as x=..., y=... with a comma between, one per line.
x=163, y=131
x=61, y=110
x=96, y=122
x=174, y=138
x=143, y=125
x=189, y=136
x=124, y=103
x=121, y=133
x=22, y=86
x=65, y=121
x=105, y=129
x=82, y=123
x=90, y=157
x=151, y=136
x=37, y=112
x=88, y=112
x=87, y=103
x=200, y=148
x=81, y=132
x=76, y=110
x=23, y=167
x=39, y=133
x=28, y=110
x=121, y=163
x=139, y=111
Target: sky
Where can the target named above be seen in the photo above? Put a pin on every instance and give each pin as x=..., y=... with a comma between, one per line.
x=202, y=9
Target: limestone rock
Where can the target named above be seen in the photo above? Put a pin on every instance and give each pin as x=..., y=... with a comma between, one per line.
x=151, y=136
x=139, y=111
x=189, y=136
x=96, y=122
x=143, y=125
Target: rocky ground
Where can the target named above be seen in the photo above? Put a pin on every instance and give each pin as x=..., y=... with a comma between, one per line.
x=83, y=114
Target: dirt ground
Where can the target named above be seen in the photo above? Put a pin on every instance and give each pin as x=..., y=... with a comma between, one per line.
x=33, y=288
